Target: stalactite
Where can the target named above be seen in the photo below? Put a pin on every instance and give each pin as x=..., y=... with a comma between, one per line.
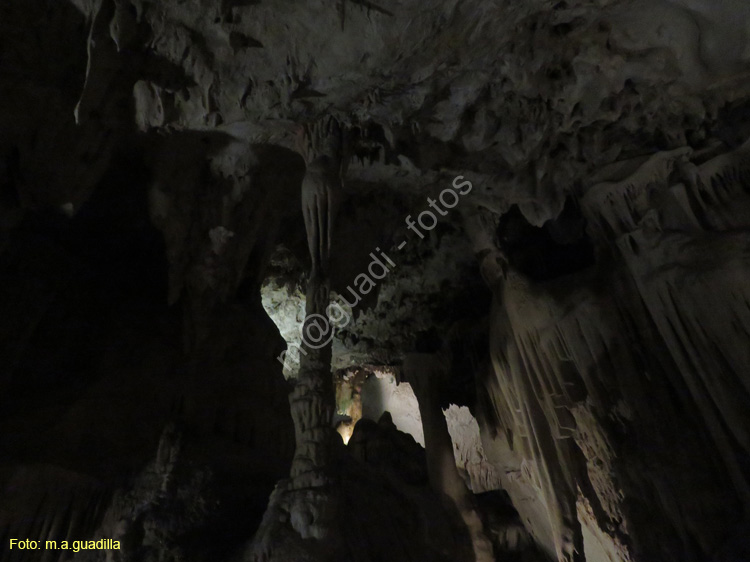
x=567, y=372
x=718, y=191
x=614, y=208
x=306, y=499
x=698, y=326
x=611, y=391
x=534, y=388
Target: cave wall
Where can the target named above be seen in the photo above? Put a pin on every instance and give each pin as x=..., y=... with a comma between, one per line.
x=625, y=387
x=149, y=176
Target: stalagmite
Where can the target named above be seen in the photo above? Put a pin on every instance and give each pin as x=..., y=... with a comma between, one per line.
x=178, y=217
x=312, y=400
x=426, y=373
x=307, y=498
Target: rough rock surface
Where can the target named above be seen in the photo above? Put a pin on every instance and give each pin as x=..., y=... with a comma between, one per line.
x=589, y=293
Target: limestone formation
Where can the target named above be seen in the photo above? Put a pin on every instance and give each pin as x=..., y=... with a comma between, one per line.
x=424, y=373
x=323, y=147
x=554, y=368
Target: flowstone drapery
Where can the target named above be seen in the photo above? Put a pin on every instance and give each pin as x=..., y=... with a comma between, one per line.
x=152, y=202
x=538, y=407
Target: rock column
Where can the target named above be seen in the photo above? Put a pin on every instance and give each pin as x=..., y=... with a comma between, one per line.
x=425, y=373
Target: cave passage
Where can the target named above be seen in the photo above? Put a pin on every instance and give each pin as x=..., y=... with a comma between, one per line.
x=240, y=320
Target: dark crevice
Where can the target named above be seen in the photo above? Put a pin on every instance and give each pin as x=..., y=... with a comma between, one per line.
x=558, y=248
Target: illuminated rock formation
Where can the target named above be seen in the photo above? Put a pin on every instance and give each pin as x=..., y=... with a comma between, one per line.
x=172, y=216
